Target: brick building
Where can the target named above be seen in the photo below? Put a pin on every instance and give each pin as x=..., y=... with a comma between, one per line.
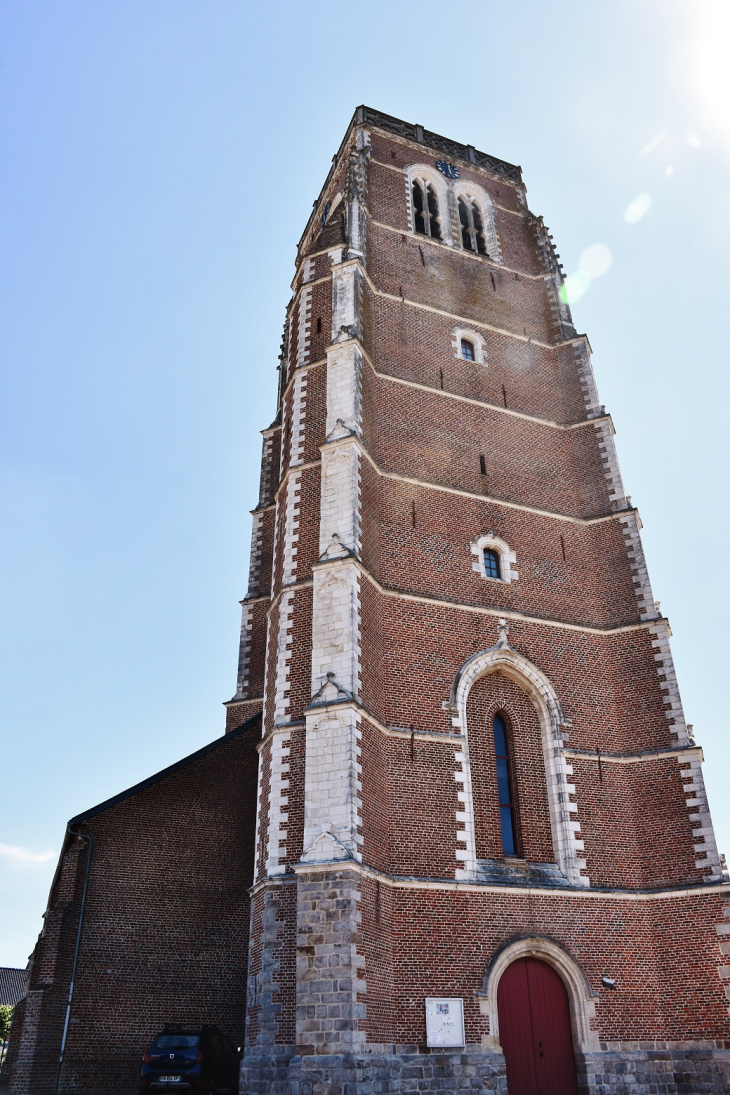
x=482, y=856
x=477, y=788
x=155, y=891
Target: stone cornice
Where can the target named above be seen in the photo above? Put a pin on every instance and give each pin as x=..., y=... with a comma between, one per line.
x=470, y=321
x=416, y=135
x=396, y=882
x=549, y=422
x=442, y=737
x=634, y=758
x=444, y=393
x=464, y=606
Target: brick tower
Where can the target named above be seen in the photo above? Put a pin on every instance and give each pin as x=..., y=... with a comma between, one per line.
x=484, y=857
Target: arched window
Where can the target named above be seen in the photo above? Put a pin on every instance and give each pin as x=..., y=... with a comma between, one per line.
x=491, y=563
x=472, y=225
x=425, y=209
x=507, y=817
x=467, y=350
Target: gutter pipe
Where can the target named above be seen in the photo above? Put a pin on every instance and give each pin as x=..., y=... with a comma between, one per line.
x=81, y=836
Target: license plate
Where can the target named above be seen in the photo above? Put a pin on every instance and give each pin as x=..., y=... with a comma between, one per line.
x=169, y=1080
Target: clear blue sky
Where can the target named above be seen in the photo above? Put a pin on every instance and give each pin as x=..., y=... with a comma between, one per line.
x=159, y=163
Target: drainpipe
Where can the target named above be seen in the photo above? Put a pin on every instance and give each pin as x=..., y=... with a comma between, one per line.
x=81, y=836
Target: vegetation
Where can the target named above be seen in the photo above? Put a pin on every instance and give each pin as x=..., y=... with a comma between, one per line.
x=6, y=1019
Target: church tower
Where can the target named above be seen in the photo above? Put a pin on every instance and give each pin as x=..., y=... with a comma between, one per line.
x=484, y=858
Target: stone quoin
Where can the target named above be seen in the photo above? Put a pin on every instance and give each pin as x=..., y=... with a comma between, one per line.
x=457, y=720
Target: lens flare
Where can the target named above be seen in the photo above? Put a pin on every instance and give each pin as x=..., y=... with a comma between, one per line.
x=636, y=209
x=595, y=261
x=693, y=140
x=574, y=286
x=653, y=143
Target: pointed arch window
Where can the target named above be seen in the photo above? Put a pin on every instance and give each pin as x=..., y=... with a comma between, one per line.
x=425, y=209
x=507, y=818
x=471, y=223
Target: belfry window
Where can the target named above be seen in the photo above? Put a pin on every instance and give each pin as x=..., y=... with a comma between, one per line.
x=472, y=226
x=467, y=350
x=425, y=209
x=491, y=563
x=504, y=787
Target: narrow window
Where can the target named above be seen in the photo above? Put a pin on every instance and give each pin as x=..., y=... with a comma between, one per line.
x=465, y=227
x=472, y=226
x=433, y=210
x=467, y=349
x=418, y=220
x=504, y=787
x=479, y=228
x=491, y=563
x=319, y=325
x=425, y=209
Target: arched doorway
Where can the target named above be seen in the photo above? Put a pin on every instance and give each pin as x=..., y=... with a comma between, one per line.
x=535, y=1030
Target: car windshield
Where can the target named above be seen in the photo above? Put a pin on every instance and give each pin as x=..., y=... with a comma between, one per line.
x=176, y=1041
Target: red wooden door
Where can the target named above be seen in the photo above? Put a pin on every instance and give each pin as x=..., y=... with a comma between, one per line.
x=534, y=1029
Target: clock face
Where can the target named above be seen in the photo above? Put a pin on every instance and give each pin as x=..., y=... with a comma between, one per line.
x=448, y=169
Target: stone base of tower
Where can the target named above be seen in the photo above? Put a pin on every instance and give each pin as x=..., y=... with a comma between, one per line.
x=635, y=1069
x=642, y=1068
x=375, y=1073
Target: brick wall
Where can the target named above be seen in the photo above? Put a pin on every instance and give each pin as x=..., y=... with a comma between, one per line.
x=165, y=930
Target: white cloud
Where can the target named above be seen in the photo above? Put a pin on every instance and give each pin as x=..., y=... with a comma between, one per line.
x=22, y=857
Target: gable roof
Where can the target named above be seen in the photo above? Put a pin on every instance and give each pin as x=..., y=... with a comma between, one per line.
x=164, y=772
x=13, y=985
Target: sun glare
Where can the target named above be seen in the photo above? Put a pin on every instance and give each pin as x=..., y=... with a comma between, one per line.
x=574, y=286
x=711, y=70
x=595, y=261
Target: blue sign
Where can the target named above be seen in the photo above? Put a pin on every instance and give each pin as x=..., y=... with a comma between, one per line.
x=448, y=169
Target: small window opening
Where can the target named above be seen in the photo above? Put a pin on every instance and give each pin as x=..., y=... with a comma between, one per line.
x=491, y=563
x=467, y=350
x=425, y=209
x=472, y=226
x=319, y=325
x=504, y=787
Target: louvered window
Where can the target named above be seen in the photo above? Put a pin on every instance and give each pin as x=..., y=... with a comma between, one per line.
x=425, y=209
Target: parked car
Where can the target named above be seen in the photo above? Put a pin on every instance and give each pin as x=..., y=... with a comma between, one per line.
x=188, y=1059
